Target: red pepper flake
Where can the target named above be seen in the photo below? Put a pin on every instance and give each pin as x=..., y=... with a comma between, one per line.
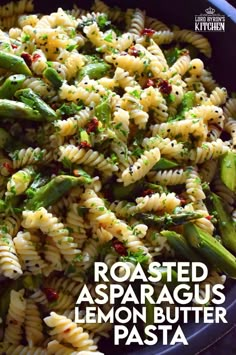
x=209, y=217
x=13, y=321
x=92, y=125
x=14, y=46
x=54, y=106
x=51, y=294
x=84, y=145
x=149, y=83
x=148, y=192
x=183, y=201
x=76, y=172
x=147, y=32
x=27, y=58
x=164, y=86
x=8, y=167
x=184, y=52
x=133, y=51
x=36, y=56
x=119, y=248
x=66, y=330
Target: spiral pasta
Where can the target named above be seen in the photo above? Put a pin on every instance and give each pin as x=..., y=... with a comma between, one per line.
x=193, y=185
x=10, y=349
x=15, y=318
x=158, y=202
x=208, y=151
x=9, y=262
x=90, y=157
x=141, y=167
x=196, y=39
x=55, y=348
x=33, y=324
x=27, y=252
x=130, y=132
x=55, y=229
x=73, y=335
x=23, y=157
x=168, y=177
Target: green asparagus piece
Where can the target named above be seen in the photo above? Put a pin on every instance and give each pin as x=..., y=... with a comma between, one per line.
x=84, y=137
x=94, y=70
x=103, y=112
x=11, y=85
x=155, y=187
x=228, y=170
x=211, y=249
x=50, y=193
x=153, y=220
x=180, y=245
x=52, y=75
x=172, y=54
x=164, y=164
x=14, y=63
x=28, y=97
x=187, y=102
x=2, y=206
x=120, y=192
x=226, y=225
x=15, y=109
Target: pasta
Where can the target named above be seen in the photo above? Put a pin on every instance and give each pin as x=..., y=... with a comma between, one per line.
x=74, y=336
x=15, y=318
x=111, y=133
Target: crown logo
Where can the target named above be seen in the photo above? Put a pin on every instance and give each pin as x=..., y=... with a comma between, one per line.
x=210, y=11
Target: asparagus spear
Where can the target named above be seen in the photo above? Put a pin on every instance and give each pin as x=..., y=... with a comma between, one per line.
x=94, y=70
x=29, y=97
x=225, y=223
x=120, y=192
x=164, y=164
x=52, y=75
x=153, y=220
x=2, y=206
x=11, y=85
x=228, y=170
x=180, y=245
x=50, y=193
x=14, y=63
x=103, y=111
x=210, y=248
x=15, y=109
x=172, y=54
x=187, y=102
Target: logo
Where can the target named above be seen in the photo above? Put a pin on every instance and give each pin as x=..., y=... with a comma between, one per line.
x=210, y=11
x=210, y=21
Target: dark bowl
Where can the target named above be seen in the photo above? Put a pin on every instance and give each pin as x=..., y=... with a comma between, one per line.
x=223, y=66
